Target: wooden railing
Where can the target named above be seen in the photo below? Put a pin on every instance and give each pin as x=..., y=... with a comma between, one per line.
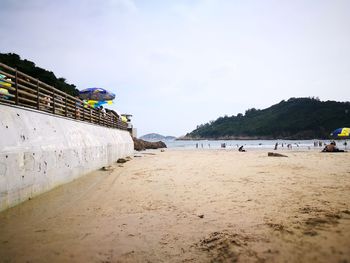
x=21, y=89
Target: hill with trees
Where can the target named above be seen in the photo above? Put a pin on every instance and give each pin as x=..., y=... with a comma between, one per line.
x=296, y=118
x=28, y=67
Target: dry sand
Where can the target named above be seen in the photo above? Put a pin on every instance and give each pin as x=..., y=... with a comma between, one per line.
x=191, y=206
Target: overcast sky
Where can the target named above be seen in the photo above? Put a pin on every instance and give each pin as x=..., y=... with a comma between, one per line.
x=177, y=64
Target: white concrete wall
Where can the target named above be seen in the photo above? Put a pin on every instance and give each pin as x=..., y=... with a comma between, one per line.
x=39, y=151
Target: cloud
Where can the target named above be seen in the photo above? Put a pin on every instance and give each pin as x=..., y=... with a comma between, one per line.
x=183, y=63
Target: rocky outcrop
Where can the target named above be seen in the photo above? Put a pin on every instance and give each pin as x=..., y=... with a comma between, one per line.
x=141, y=145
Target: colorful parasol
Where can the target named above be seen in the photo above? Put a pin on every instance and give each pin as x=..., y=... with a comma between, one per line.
x=341, y=133
x=96, y=94
x=96, y=104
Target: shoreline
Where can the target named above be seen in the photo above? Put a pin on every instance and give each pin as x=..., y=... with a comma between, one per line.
x=251, y=138
x=257, y=144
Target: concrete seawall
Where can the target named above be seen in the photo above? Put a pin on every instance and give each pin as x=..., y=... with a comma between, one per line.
x=39, y=151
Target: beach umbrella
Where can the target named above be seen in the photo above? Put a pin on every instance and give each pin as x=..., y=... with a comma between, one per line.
x=97, y=103
x=96, y=94
x=341, y=133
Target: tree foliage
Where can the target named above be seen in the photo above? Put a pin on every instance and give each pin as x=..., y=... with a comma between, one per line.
x=297, y=118
x=29, y=68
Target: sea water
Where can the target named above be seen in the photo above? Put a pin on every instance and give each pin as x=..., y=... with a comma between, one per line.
x=252, y=144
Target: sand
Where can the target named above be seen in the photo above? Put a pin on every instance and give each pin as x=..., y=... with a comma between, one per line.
x=191, y=206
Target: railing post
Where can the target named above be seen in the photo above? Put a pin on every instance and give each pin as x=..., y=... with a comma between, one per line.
x=16, y=87
x=66, y=113
x=75, y=108
x=37, y=95
x=53, y=101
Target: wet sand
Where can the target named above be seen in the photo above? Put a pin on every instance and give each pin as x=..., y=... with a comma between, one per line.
x=191, y=206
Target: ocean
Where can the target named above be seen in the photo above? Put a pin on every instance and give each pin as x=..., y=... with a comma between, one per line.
x=253, y=144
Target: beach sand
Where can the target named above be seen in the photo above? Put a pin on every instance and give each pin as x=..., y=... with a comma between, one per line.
x=191, y=206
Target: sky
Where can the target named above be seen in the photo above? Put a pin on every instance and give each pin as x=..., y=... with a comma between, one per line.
x=177, y=64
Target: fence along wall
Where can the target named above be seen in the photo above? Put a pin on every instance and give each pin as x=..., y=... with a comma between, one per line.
x=26, y=91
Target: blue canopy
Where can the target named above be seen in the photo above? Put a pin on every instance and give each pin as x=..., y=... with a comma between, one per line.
x=98, y=94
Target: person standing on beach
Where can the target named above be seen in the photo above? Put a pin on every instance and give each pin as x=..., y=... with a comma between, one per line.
x=276, y=145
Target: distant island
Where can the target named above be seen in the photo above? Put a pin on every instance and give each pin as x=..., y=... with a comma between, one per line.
x=296, y=118
x=156, y=137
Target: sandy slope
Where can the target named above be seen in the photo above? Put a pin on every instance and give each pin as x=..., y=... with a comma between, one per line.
x=200, y=206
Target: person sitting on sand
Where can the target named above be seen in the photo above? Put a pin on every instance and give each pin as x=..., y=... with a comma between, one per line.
x=241, y=149
x=331, y=148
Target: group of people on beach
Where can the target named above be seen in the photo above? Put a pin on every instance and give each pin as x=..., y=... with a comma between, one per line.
x=328, y=147
x=332, y=148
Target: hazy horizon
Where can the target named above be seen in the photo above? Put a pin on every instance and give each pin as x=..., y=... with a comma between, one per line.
x=178, y=64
